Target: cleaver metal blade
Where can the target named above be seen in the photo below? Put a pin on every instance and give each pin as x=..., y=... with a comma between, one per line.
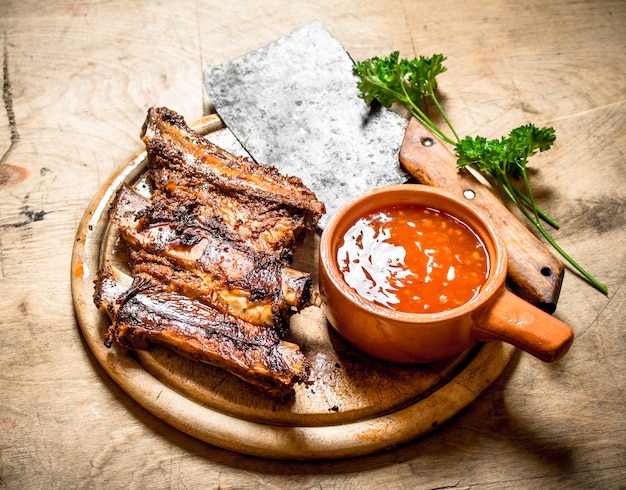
x=294, y=104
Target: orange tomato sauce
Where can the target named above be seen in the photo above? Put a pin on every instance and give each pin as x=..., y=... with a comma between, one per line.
x=414, y=259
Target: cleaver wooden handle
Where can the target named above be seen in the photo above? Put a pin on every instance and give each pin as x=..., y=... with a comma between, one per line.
x=534, y=272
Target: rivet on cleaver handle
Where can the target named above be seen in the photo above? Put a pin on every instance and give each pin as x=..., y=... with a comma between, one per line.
x=534, y=272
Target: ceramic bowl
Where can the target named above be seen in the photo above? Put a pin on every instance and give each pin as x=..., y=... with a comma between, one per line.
x=493, y=314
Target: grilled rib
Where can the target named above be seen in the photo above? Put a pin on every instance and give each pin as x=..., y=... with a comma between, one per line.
x=248, y=224
x=257, y=288
x=144, y=313
x=279, y=207
x=209, y=253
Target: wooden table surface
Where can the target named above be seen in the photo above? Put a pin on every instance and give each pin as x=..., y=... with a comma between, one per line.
x=78, y=78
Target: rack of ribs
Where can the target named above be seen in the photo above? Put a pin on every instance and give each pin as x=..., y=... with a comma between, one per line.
x=209, y=257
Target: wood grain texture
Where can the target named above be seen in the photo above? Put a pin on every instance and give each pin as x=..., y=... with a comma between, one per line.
x=79, y=77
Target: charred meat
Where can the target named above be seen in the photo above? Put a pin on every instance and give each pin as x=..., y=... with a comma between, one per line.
x=254, y=286
x=209, y=254
x=146, y=313
x=251, y=201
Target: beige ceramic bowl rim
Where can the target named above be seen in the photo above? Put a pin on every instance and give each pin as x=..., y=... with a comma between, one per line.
x=495, y=281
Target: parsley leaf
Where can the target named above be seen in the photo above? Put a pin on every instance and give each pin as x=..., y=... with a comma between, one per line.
x=409, y=83
x=412, y=83
x=508, y=155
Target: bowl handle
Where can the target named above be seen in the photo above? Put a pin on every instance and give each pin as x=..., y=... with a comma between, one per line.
x=515, y=321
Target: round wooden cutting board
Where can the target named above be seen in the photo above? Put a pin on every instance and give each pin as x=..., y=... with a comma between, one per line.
x=353, y=405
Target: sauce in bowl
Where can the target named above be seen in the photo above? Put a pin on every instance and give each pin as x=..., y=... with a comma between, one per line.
x=413, y=258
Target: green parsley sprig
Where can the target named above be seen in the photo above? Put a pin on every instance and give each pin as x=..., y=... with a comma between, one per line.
x=412, y=83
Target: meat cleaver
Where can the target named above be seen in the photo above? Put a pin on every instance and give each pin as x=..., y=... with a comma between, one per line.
x=294, y=104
